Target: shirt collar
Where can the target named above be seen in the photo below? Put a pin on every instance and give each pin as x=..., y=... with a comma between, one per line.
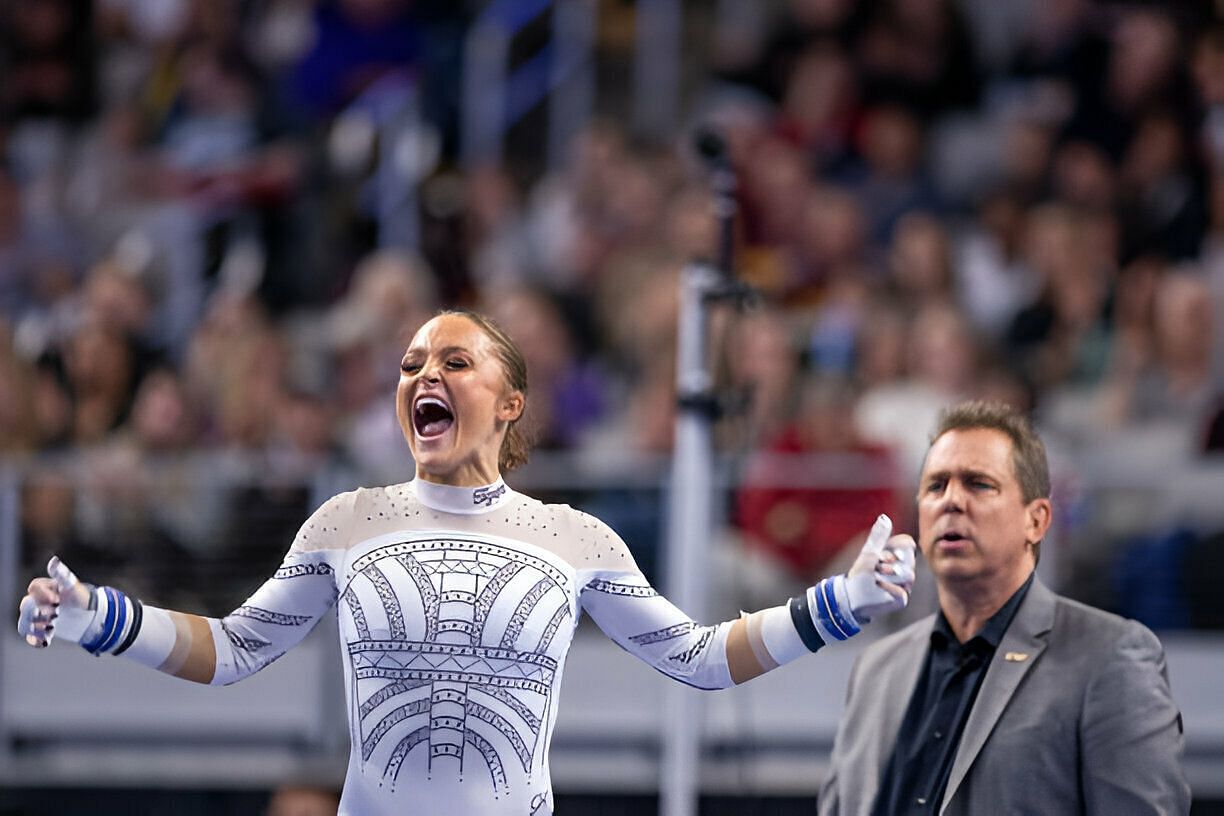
x=463, y=500
x=995, y=628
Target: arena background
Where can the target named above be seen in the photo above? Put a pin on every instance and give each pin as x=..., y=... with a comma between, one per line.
x=221, y=220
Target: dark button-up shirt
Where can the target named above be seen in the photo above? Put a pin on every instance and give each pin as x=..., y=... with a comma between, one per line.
x=917, y=773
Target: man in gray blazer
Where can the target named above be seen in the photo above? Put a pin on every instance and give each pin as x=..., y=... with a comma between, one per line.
x=1010, y=700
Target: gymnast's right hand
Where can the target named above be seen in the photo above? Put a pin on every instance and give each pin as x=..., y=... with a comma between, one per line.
x=57, y=602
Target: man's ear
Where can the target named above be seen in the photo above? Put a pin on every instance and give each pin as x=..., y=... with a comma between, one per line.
x=1037, y=517
x=511, y=406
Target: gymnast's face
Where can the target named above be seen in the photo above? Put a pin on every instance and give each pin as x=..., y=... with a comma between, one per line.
x=454, y=403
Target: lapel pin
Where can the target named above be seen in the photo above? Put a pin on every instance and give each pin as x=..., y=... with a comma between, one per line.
x=1016, y=657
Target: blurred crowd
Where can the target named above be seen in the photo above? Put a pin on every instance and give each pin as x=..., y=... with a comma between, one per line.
x=204, y=292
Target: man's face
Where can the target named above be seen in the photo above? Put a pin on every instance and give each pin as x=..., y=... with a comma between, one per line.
x=973, y=522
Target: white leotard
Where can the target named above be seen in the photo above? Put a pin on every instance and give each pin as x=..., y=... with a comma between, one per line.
x=456, y=610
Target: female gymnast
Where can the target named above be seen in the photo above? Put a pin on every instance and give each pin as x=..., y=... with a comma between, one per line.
x=458, y=599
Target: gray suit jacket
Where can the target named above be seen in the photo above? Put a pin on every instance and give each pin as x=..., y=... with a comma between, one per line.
x=1074, y=716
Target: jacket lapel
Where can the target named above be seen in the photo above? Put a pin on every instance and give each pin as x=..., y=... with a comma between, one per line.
x=890, y=700
x=1018, y=651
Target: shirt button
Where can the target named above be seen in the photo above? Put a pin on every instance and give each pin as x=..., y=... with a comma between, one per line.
x=921, y=800
x=938, y=735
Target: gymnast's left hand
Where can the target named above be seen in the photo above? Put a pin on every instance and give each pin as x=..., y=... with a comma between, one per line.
x=882, y=576
x=46, y=598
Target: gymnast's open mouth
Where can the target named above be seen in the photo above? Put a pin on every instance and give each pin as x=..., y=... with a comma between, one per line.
x=431, y=417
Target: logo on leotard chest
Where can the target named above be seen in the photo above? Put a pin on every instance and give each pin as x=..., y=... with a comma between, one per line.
x=487, y=495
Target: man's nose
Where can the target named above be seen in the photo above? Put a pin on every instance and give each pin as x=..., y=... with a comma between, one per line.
x=953, y=497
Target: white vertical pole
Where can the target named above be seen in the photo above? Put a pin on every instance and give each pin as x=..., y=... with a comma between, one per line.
x=690, y=522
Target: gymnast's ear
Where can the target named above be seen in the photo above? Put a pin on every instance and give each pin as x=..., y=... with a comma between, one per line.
x=511, y=406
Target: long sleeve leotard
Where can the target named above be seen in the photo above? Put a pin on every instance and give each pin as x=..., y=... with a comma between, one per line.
x=456, y=608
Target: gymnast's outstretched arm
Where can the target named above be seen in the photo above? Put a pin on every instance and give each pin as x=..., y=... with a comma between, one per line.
x=219, y=651
x=650, y=627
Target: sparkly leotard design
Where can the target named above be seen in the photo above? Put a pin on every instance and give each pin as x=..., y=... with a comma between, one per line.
x=456, y=610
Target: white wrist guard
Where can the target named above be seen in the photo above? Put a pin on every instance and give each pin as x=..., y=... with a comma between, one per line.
x=108, y=626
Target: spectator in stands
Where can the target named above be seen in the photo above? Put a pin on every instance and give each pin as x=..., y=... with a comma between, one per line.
x=993, y=282
x=637, y=304
x=52, y=405
x=820, y=107
x=918, y=52
x=302, y=442
x=115, y=297
x=1061, y=43
x=1177, y=377
x=880, y=344
x=49, y=55
x=100, y=362
x=365, y=330
x=163, y=420
x=1142, y=72
x=1063, y=335
x=17, y=285
x=1083, y=175
x=804, y=515
x=799, y=28
x=1208, y=70
x=49, y=518
x=567, y=391
x=160, y=453
x=941, y=368
x=18, y=425
x=777, y=176
x=1028, y=150
x=691, y=224
x=920, y=261
x=1134, y=309
x=891, y=178
x=763, y=368
x=606, y=197
x=501, y=250
x=1162, y=198
x=235, y=370
x=120, y=195
x=776, y=185
x=833, y=240
x=639, y=185
x=1213, y=241
x=838, y=341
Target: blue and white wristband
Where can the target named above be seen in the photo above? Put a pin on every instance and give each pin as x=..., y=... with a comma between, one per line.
x=822, y=614
x=116, y=622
